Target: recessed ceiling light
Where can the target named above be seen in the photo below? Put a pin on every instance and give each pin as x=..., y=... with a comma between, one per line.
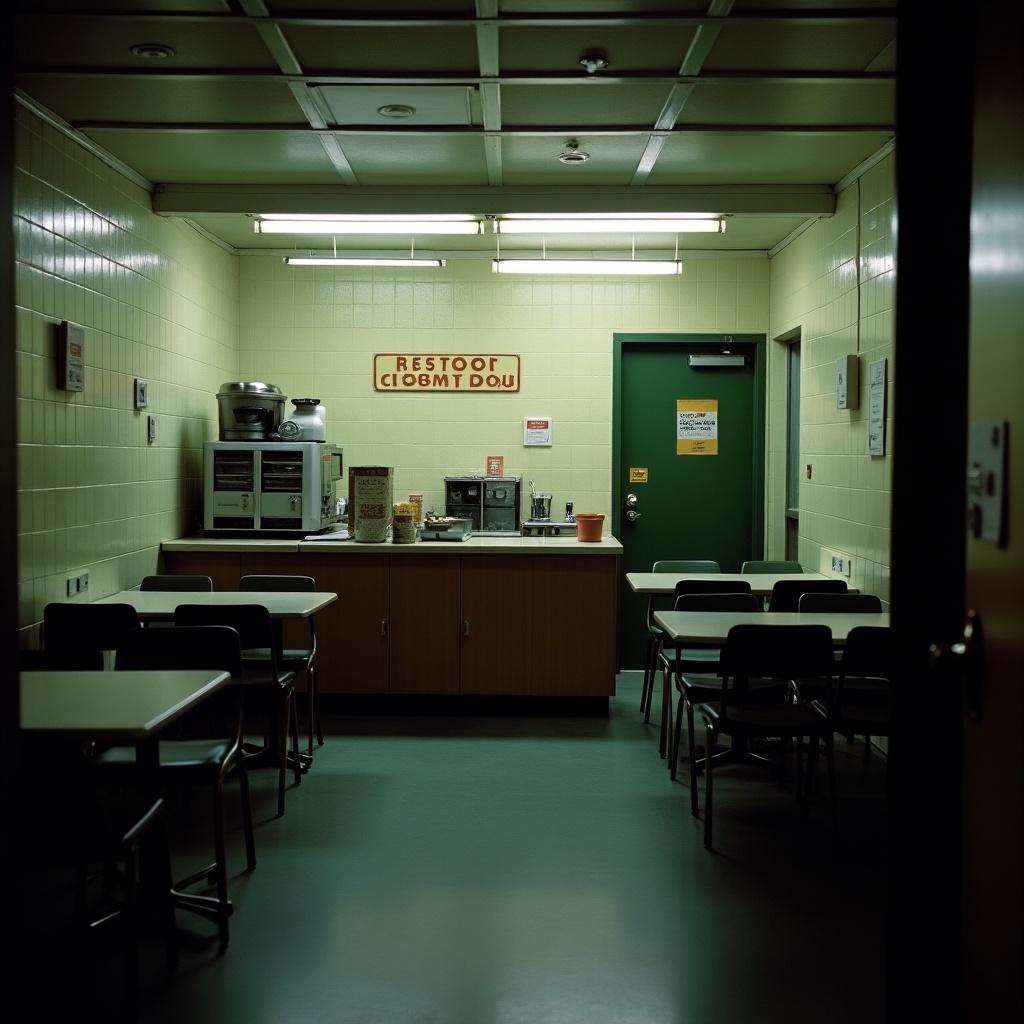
x=593, y=61
x=572, y=154
x=153, y=51
x=396, y=110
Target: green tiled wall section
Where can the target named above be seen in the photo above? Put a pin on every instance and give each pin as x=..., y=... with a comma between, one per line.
x=159, y=302
x=314, y=331
x=835, y=282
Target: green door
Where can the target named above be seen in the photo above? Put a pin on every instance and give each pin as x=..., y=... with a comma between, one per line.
x=691, y=506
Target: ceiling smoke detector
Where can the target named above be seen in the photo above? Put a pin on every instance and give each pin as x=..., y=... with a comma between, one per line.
x=153, y=51
x=396, y=110
x=594, y=61
x=572, y=154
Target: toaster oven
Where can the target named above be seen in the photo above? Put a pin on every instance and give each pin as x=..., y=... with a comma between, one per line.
x=269, y=487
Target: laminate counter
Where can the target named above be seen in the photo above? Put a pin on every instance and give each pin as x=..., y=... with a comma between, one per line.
x=511, y=616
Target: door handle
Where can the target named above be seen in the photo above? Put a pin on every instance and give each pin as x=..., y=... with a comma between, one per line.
x=465, y=628
x=632, y=515
x=383, y=627
x=963, y=660
x=631, y=500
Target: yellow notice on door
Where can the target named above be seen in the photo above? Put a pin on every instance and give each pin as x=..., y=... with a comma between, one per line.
x=638, y=474
x=697, y=426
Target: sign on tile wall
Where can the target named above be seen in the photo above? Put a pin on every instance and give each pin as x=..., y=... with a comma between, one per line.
x=448, y=371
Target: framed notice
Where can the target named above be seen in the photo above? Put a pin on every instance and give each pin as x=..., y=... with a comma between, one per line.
x=537, y=431
x=697, y=426
x=445, y=371
x=876, y=407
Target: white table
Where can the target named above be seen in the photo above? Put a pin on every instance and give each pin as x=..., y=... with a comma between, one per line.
x=761, y=583
x=156, y=605
x=713, y=627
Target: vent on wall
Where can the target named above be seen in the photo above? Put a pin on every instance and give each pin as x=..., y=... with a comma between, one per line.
x=718, y=360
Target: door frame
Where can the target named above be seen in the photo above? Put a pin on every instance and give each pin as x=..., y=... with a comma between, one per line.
x=758, y=345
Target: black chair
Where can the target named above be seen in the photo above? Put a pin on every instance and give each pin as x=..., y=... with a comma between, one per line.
x=693, y=659
x=761, y=565
x=295, y=659
x=185, y=584
x=786, y=594
x=75, y=628
x=860, y=701
x=654, y=633
x=765, y=652
x=256, y=631
x=201, y=749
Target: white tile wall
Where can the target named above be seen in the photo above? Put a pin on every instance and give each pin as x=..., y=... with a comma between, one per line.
x=835, y=282
x=314, y=331
x=159, y=302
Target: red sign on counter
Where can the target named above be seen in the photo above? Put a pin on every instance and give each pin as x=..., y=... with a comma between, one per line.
x=449, y=371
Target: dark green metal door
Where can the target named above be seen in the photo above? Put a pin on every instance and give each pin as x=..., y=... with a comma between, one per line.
x=691, y=506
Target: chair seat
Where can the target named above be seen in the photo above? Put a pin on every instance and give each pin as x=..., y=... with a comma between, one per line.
x=857, y=716
x=769, y=719
x=176, y=756
x=256, y=677
x=863, y=687
x=706, y=687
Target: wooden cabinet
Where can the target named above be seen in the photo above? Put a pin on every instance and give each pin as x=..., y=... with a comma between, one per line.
x=423, y=625
x=541, y=625
x=496, y=635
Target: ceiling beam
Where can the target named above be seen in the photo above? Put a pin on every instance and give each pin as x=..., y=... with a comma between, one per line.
x=309, y=102
x=838, y=18
x=490, y=91
x=189, y=200
x=697, y=52
x=440, y=131
x=399, y=78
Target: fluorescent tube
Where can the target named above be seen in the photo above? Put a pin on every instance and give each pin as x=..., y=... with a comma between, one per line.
x=382, y=225
x=607, y=225
x=611, y=267
x=360, y=261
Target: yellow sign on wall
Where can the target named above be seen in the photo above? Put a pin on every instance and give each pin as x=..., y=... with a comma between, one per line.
x=697, y=426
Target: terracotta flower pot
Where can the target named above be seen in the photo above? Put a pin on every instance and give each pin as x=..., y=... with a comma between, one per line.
x=589, y=526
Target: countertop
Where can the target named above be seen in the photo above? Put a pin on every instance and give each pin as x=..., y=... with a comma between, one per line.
x=475, y=545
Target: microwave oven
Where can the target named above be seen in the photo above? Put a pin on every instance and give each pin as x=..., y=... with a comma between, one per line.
x=270, y=486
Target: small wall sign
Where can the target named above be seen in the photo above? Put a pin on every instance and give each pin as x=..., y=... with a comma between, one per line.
x=537, y=431
x=495, y=465
x=448, y=371
x=876, y=407
x=697, y=426
x=638, y=474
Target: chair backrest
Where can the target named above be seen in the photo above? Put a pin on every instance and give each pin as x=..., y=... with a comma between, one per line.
x=852, y=604
x=771, y=565
x=296, y=584
x=252, y=623
x=736, y=602
x=710, y=587
x=60, y=661
x=192, y=584
x=786, y=594
x=869, y=651
x=775, y=652
x=686, y=565
x=192, y=647
x=71, y=628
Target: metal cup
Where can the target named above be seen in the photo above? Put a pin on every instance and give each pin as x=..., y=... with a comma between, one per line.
x=540, y=506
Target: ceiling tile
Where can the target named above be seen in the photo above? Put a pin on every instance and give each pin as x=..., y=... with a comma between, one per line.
x=537, y=105
x=530, y=160
x=812, y=47
x=397, y=51
x=788, y=103
x=416, y=160
x=432, y=105
x=628, y=48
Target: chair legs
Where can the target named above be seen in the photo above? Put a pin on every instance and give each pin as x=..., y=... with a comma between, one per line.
x=691, y=740
x=709, y=745
x=243, y=786
x=220, y=864
x=676, y=734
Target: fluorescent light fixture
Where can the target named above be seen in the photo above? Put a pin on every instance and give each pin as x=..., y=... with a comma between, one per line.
x=616, y=267
x=361, y=261
x=384, y=224
x=716, y=360
x=521, y=224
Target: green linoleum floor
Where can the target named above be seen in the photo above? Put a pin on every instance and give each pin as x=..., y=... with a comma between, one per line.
x=477, y=870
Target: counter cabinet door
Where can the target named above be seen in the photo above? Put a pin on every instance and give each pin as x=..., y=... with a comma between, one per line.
x=496, y=640
x=424, y=625
x=573, y=625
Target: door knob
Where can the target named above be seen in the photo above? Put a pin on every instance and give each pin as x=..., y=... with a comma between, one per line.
x=632, y=515
x=631, y=501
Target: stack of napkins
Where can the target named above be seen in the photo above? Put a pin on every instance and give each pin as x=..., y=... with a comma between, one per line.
x=338, y=533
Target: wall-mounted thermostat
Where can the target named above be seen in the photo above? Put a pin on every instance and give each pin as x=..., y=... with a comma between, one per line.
x=70, y=356
x=848, y=382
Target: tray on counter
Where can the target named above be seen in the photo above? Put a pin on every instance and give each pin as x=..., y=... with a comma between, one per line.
x=458, y=529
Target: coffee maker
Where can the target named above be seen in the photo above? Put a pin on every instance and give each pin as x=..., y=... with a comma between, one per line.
x=540, y=523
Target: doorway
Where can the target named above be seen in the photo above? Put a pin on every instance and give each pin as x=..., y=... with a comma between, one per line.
x=792, y=514
x=690, y=500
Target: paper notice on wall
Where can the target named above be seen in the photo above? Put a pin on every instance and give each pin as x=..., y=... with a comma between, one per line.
x=876, y=407
x=537, y=431
x=697, y=426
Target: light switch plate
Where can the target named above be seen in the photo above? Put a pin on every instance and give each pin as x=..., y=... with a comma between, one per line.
x=141, y=393
x=986, y=481
x=151, y=428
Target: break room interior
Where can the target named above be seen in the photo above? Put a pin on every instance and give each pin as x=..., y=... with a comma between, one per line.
x=838, y=185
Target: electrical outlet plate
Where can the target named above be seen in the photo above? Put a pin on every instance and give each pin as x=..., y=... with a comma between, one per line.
x=72, y=585
x=83, y=583
x=151, y=428
x=141, y=393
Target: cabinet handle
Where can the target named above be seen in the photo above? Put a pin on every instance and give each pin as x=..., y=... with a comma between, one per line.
x=465, y=628
x=383, y=627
